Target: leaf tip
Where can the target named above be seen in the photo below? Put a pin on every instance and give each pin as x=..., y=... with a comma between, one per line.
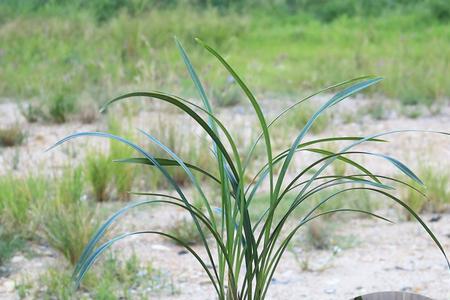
x=103, y=108
x=198, y=40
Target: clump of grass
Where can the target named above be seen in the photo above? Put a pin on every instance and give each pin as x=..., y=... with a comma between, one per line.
x=413, y=111
x=13, y=135
x=185, y=231
x=297, y=119
x=60, y=106
x=115, y=279
x=124, y=178
x=318, y=236
x=377, y=110
x=9, y=244
x=99, y=174
x=88, y=113
x=436, y=193
x=126, y=279
x=186, y=144
x=23, y=288
x=19, y=201
x=57, y=283
x=70, y=187
x=31, y=112
x=124, y=175
x=227, y=95
x=248, y=251
x=68, y=221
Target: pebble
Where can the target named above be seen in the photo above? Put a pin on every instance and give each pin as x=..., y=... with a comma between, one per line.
x=435, y=218
x=277, y=281
x=330, y=291
x=160, y=247
x=8, y=286
x=17, y=259
x=183, y=252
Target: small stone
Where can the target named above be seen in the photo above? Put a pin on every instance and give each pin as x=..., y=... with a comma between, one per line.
x=435, y=218
x=182, y=252
x=160, y=247
x=17, y=259
x=330, y=291
x=9, y=286
x=277, y=281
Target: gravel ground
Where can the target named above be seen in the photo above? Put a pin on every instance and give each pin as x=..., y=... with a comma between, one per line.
x=385, y=256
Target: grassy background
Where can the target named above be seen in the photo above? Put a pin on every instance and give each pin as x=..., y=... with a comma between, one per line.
x=73, y=51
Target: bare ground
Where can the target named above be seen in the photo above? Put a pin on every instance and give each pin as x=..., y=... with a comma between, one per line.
x=385, y=256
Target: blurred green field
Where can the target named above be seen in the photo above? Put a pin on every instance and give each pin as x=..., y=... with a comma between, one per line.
x=60, y=59
x=66, y=52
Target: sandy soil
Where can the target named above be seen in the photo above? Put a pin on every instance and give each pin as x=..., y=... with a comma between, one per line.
x=385, y=256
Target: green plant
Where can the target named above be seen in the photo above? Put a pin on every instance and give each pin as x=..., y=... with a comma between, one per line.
x=12, y=135
x=124, y=279
x=23, y=288
x=20, y=199
x=70, y=186
x=67, y=220
x=376, y=110
x=58, y=285
x=318, y=235
x=60, y=106
x=298, y=118
x=185, y=230
x=9, y=244
x=412, y=111
x=248, y=252
x=229, y=95
x=189, y=150
x=31, y=112
x=68, y=226
x=99, y=174
x=124, y=175
x=435, y=196
x=115, y=279
x=88, y=113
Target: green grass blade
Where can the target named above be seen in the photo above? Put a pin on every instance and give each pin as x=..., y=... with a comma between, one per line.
x=252, y=250
x=176, y=102
x=186, y=170
x=286, y=110
x=167, y=163
x=334, y=100
x=160, y=168
x=109, y=243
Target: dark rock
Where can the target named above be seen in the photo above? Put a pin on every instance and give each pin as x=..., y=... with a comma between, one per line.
x=182, y=252
x=435, y=218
